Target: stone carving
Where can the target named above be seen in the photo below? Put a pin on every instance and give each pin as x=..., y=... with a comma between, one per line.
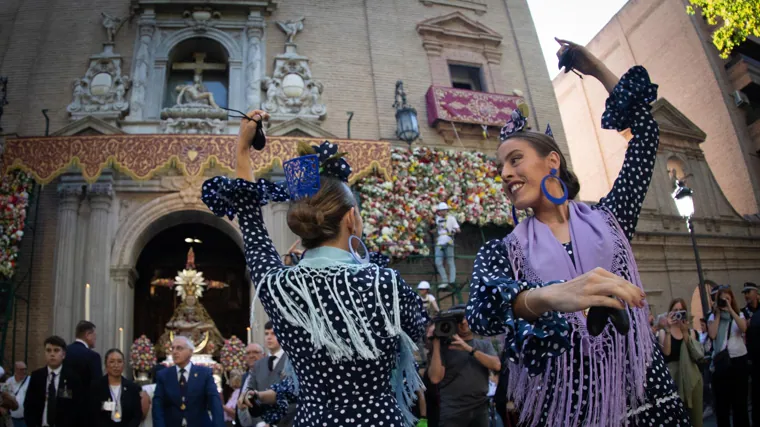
x=291, y=28
x=253, y=65
x=102, y=90
x=291, y=91
x=112, y=25
x=196, y=111
x=142, y=61
x=189, y=187
x=201, y=19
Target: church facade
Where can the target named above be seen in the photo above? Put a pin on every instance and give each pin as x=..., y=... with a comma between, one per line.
x=135, y=90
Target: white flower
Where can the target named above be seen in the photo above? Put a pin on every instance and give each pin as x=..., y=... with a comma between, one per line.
x=190, y=280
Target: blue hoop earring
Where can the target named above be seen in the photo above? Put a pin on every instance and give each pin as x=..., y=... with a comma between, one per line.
x=555, y=200
x=357, y=258
x=514, y=216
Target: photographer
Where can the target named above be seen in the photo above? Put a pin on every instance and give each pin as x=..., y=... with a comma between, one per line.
x=683, y=352
x=459, y=365
x=729, y=362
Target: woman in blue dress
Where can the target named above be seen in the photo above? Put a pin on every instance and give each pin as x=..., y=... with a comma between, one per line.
x=347, y=324
x=537, y=284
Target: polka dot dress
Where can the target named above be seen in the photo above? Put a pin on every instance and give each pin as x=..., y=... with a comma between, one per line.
x=493, y=288
x=344, y=393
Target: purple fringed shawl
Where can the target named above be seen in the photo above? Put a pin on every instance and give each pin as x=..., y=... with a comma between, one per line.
x=615, y=362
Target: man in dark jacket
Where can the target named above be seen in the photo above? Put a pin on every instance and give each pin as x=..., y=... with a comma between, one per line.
x=55, y=397
x=80, y=357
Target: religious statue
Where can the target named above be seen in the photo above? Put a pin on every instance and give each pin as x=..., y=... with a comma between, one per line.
x=112, y=25
x=291, y=28
x=190, y=318
x=400, y=97
x=195, y=93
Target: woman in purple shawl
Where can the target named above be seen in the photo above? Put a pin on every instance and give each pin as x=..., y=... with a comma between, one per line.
x=562, y=374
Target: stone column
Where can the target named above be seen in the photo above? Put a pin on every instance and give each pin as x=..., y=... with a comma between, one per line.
x=142, y=66
x=97, y=266
x=65, y=259
x=254, y=60
x=79, y=266
x=123, y=280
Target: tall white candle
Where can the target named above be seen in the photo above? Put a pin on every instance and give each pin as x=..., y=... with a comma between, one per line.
x=121, y=339
x=249, y=334
x=87, y=302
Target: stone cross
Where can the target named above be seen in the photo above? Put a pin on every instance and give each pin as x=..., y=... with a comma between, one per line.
x=198, y=66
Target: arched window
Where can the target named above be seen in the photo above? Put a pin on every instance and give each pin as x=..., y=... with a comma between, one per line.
x=200, y=57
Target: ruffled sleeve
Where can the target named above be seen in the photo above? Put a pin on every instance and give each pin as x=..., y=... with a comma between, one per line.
x=379, y=259
x=628, y=107
x=227, y=197
x=286, y=395
x=493, y=291
x=413, y=314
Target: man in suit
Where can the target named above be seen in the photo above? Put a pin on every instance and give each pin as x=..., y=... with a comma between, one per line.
x=186, y=393
x=268, y=371
x=55, y=397
x=80, y=357
x=253, y=353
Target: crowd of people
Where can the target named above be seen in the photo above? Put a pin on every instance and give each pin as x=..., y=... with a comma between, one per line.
x=350, y=343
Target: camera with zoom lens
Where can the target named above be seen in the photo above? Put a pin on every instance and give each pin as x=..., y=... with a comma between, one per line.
x=722, y=303
x=679, y=316
x=447, y=322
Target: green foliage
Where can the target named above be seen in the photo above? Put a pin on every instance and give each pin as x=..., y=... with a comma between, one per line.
x=739, y=18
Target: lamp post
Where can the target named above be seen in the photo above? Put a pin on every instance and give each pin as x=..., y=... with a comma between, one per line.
x=407, y=127
x=682, y=195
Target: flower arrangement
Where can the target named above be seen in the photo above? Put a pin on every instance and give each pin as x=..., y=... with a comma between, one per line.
x=231, y=355
x=142, y=356
x=14, y=199
x=189, y=282
x=399, y=212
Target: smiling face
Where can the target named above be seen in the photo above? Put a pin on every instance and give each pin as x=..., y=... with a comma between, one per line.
x=522, y=170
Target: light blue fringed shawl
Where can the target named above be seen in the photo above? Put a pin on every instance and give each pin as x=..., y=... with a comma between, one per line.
x=335, y=266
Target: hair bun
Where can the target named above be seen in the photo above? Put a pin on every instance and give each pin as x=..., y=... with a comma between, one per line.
x=306, y=221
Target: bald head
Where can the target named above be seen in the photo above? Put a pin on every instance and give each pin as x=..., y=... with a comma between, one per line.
x=253, y=353
x=19, y=370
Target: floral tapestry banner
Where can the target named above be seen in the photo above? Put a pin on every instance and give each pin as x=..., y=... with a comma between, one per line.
x=466, y=106
x=141, y=156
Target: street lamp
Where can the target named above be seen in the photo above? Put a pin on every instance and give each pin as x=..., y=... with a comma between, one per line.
x=407, y=127
x=682, y=195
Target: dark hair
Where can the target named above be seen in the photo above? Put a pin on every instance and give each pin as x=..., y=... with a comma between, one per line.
x=316, y=219
x=56, y=341
x=111, y=351
x=678, y=301
x=544, y=145
x=268, y=326
x=83, y=327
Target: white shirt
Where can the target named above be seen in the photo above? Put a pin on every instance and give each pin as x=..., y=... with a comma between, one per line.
x=187, y=371
x=57, y=373
x=116, y=396
x=278, y=356
x=18, y=389
x=445, y=226
x=148, y=421
x=82, y=341
x=735, y=341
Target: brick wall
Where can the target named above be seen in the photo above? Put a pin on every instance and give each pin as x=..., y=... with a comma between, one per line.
x=662, y=37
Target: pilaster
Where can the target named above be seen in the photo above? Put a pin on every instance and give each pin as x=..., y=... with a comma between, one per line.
x=65, y=259
x=102, y=298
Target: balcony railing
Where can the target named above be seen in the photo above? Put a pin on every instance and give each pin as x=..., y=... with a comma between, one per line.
x=466, y=106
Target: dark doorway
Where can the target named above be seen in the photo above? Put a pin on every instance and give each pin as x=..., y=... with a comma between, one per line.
x=217, y=256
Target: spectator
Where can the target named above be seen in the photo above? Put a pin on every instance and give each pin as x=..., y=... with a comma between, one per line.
x=753, y=347
x=445, y=226
x=253, y=353
x=428, y=300
x=752, y=298
x=266, y=372
x=729, y=361
x=229, y=408
x=55, y=397
x=17, y=386
x=80, y=357
x=461, y=371
x=114, y=400
x=682, y=350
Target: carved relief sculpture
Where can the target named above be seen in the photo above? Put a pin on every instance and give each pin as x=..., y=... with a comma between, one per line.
x=291, y=92
x=102, y=90
x=196, y=111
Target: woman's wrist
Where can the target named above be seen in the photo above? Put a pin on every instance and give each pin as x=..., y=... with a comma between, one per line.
x=539, y=300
